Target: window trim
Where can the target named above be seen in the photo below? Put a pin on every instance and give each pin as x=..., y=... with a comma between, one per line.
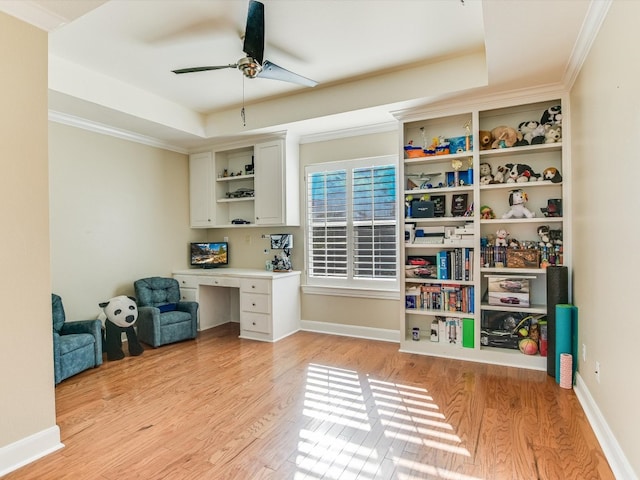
x=353, y=287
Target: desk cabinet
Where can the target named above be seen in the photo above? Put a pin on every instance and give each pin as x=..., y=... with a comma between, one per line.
x=266, y=304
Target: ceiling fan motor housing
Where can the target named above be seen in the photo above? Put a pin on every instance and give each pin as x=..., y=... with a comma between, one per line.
x=250, y=67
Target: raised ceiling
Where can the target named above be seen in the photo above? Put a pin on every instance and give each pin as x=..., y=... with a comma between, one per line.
x=110, y=62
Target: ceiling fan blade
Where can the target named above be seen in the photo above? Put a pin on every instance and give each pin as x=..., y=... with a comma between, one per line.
x=254, y=32
x=203, y=69
x=274, y=72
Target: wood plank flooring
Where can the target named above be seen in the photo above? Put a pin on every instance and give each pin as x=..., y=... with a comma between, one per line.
x=313, y=407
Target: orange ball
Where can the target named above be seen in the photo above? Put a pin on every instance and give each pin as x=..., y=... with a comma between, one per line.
x=528, y=346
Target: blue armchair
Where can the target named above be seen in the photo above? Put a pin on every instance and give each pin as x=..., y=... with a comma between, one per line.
x=162, y=317
x=77, y=346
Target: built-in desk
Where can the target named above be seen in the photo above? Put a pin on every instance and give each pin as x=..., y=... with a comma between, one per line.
x=267, y=304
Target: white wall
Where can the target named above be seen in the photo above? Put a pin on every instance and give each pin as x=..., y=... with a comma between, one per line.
x=27, y=402
x=605, y=103
x=119, y=212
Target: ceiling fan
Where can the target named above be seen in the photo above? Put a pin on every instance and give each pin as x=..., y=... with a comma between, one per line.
x=253, y=66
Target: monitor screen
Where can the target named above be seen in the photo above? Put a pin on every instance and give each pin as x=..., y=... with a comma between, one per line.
x=209, y=254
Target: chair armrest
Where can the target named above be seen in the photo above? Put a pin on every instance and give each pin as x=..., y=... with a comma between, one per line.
x=80, y=326
x=57, y=367
x=94, y=327
x=148, y=325
x=192, y=309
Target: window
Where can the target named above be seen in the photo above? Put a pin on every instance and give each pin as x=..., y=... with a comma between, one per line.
x=351, y=228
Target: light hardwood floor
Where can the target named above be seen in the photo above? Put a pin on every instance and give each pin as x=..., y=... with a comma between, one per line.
x=314, y=406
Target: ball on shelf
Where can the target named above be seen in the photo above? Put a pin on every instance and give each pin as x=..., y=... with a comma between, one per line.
x=528, y=346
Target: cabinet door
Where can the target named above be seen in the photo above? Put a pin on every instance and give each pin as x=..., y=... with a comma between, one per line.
x=201, y=190
x=269, y=183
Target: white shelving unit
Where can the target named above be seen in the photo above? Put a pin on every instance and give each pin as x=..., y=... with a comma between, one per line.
x=271, y=187
x=426, y=176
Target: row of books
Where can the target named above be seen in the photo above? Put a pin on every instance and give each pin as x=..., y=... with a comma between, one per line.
x=437, y=297
x=452, y=264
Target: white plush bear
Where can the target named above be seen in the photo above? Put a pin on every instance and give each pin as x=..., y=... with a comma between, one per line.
x=517, y=199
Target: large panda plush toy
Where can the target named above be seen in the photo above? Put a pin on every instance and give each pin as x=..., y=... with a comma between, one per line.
x=119, y=315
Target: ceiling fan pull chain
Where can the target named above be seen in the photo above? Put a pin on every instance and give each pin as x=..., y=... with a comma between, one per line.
x=244, y=120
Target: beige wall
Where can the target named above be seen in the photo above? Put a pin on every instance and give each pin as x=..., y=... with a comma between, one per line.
x=27, y=402
x=605, y=103
x=360, y=312
x=119, y=212
x=247, y=245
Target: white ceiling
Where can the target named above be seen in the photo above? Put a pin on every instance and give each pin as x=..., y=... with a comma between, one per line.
x=110, y=62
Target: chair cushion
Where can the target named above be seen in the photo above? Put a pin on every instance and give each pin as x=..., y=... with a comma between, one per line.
x=169, y=318
x=69, y=343
x=154, y=291
x=57, y=311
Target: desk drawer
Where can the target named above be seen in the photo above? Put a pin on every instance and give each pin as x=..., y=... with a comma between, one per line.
x=221, y=281
x=255, y=322
x=187, y=281
x=254, y=285
x=188, y=294
x=255, y=302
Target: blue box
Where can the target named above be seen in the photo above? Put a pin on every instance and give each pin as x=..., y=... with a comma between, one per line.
x=459, y=144
x=465, y=176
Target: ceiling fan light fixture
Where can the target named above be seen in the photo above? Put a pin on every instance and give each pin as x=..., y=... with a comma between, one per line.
x=250, y=67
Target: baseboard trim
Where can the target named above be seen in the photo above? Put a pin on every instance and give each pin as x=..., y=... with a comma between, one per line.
x=615, y=456
x=368, y=333
x=29, y=449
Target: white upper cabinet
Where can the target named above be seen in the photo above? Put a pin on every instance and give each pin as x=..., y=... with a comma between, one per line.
x=248, y=185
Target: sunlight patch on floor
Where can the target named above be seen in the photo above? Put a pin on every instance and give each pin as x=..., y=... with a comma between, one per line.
x=366, y=429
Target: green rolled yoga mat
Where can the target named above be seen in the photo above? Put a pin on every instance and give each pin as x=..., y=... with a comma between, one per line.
x=566, y=334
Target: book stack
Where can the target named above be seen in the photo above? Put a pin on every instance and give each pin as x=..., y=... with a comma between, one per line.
x=437, y=297
x=455, y=264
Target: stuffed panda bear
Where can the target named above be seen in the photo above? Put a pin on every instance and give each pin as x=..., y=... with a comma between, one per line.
x=119, y=315
x=552, y=116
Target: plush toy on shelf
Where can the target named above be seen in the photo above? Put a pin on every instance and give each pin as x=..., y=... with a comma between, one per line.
x=527, y=131
x=552, y=116
x=486, y=177
x=503, y=137
x=501, y=174
x=119, y=315
x=517, y=200
x=485, y=140
x=552, y=174
x=552, y=134
x=543, y=233
x=502, y=238
x=521, y=173
x=486, y=213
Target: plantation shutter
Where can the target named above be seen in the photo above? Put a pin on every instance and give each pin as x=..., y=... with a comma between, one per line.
x=352, y=223
x=374, y=222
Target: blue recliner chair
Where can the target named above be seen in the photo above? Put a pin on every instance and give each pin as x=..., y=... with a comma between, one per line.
x=162, y=317
x=77, y=346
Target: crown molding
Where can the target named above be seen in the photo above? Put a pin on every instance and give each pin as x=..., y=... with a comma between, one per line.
x=30, y=12
x=349, y=132
x=96, y=127
x=596, y=14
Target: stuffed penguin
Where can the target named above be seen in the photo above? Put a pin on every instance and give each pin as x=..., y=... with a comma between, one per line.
x=119, y=315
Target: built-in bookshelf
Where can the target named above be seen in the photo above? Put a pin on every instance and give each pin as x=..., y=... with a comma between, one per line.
x=451, y=249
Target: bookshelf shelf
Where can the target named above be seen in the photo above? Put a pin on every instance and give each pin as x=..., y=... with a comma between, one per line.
x=503, y=308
